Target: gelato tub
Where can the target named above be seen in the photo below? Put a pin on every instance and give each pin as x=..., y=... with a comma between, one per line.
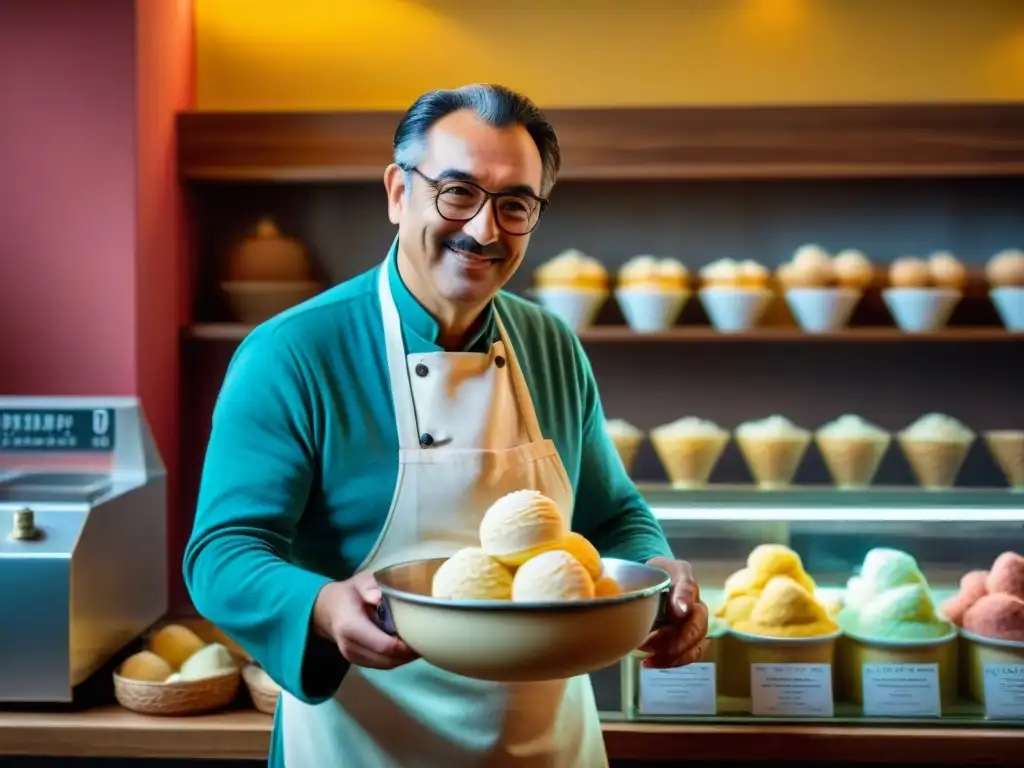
x=889, y=617
x=627, y=440
x=990, y=610
x=853, y=450
x=935, y=446
x=1007, y=448
x=773, y=449
x=689, y=448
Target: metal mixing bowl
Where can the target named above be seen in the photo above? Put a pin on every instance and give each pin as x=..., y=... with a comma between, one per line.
x=505, y=641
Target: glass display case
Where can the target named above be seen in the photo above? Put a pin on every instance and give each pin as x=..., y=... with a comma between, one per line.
x=840, y=607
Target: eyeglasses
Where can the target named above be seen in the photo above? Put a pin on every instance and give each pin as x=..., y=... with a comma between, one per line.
x=516, y=213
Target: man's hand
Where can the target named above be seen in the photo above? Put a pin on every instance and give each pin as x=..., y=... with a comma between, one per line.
x=342, y=613
x=683, y=641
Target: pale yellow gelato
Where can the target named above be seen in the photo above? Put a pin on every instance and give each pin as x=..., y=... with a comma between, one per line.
x=520, y=525
x=787, y=609
x=472, y=574
x=554, y=575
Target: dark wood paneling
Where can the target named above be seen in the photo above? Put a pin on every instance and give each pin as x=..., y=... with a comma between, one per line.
x=639, y=143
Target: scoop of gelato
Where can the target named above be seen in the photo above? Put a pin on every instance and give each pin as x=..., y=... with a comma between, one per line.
x=904, y=612
x=552, y=576
x=882, y=570
x=1006, y=575
x=472, y=574
x=999, y=616
x=787, y=609
x=520, y=525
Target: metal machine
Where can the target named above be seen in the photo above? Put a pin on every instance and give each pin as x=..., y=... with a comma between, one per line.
x=83, y=539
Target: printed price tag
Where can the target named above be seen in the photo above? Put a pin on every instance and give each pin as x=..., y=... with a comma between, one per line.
x=791, y=690
x=901, y=690
x=1004, y=690
x=688, y=690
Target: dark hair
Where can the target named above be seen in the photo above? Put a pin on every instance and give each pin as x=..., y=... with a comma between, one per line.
x=494, y=104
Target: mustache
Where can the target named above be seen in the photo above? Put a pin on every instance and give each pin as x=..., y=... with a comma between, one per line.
x=464, y=242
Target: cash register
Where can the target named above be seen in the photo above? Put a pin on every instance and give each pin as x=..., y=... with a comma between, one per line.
x=83, y=540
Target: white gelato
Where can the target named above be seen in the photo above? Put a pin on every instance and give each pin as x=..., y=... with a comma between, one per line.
x=772, y=427
x=690, y=426
x=938, y=428
x=850, y=426
x=550, y=576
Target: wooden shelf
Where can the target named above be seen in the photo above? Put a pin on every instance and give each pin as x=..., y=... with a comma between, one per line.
x=111, y=732
x=852, y=141
x=699, y=334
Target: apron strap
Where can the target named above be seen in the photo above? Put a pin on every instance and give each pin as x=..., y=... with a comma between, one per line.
x=398, y=366
x=519, y=387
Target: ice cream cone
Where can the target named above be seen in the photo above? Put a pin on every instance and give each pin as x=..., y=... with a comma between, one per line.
x=576, y=306
x=1007, y=447
x=936, y=464
x=852, y=461
x=773, y=460
x=689, y=460
x=648, y=309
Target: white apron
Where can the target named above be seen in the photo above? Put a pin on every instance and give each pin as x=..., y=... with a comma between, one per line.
x=476, y=414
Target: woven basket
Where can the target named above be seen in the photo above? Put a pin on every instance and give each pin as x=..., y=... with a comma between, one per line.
x=263, y=698
x=190, y=697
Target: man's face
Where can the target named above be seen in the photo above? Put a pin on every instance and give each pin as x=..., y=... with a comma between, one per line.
x=462, y=264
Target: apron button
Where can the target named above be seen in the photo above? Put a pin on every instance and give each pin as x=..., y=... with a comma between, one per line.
x=422, y=370
x=426, y=439
x=499, y=361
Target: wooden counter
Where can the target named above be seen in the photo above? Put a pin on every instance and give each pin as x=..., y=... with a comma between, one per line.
x=113, y=732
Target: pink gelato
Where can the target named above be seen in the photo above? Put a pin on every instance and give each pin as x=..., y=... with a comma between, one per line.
x=991, y=603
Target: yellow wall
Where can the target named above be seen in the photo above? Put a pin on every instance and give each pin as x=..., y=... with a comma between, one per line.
x=380, y=54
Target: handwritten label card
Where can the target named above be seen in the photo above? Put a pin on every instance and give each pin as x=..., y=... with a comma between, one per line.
x=901, y=690
x=688, y=690
x=1004, y=691
x=791, y=690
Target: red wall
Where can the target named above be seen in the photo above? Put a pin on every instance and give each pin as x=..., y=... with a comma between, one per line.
x=164, y=87
x=91, y=226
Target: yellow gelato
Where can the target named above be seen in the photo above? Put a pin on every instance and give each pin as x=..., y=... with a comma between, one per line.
x=651, y=273
x=472, y=574
x=572, y=269
x=552, y=575
x=606, y=586
x=585, y=552
x=520, y=525
x=787, y=609
x=764, y=563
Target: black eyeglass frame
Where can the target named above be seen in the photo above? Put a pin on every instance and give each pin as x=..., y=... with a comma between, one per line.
x=489, y=197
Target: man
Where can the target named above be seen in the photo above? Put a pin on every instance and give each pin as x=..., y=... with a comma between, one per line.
x=376, y=423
